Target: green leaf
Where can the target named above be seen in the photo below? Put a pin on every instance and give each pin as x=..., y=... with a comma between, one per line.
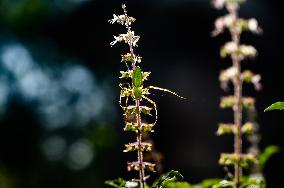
x=208, y=183
x=225, y=183
x=119, y=183
x=275, y=106
x=266, y=154
x=178, y=185
x=137, y=78
x=256, y=181
x=171, y=176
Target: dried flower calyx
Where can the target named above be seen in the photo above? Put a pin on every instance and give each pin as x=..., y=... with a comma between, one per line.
x=232, y=159
x=229, y=101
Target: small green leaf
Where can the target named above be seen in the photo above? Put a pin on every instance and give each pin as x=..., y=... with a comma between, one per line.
x=256, y=181
x=178, y=185
x=266, y=154
x=171, y=176
x=137, y=78
x=275, y=106
x=208, y=183
x=119, y=183
x=225, y=183
x=225, y=129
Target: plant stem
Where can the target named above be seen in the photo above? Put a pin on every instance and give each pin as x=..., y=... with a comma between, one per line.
x=139, y=152
x=237, y=108
x=138, y=116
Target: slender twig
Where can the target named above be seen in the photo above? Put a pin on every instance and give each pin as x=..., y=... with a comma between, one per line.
x=235, y=35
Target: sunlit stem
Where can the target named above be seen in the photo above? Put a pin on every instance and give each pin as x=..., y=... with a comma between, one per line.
x=138, y=115
x=237, y=108
x=139, y=152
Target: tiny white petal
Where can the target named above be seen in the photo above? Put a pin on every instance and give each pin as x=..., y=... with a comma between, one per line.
x=219, y=4
x=131, y=184
x=228, y=20
x=231, y=72
x=231, y=47
x=253, y=25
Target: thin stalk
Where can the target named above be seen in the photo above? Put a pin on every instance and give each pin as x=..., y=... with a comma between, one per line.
x=139, y=152
x=138, y=117
x=237, y=99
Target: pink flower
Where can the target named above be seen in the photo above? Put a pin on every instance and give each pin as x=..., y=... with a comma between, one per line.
x=218, y=4
x=253, y=26
x=219, y=26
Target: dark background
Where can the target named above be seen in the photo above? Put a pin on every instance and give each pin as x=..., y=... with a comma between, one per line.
x=82, y=148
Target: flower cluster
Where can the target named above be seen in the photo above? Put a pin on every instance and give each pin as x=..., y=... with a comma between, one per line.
x=235, y=75
x=228, y=22
x=129, y=38
x=247, y=76
x=243, y=51
x=219, y=4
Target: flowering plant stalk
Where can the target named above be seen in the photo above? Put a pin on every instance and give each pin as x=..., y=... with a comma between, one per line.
x=135, y=102
x=237, y=52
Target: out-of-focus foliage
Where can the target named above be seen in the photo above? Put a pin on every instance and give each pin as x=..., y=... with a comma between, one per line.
x=267, y=153
x=22, y=12
x=253, y=181
x=120, y=183
x=167, y=180
x=169, y=177
x=207, y=183
x=7, y=180
x=225, y=183
x=179, y=185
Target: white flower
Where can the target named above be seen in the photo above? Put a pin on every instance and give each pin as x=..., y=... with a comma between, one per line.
x=112, y=21
x=131, y=184
x=228, y=20
x=219, y=26
x=221, y=23
x=226, y=76
x=122, y=19
x=256, y=82
x=248, y=51
x=119, y=38
x=253, y=26
x=231, y=72
x=128, y=38
x=119, y=19
x=231, y=47
x=218, y=4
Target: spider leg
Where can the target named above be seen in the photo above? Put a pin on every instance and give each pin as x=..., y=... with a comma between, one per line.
x=166, y=90
x=120, y=100
x=121, y=85
x=122, y=95
x=155, y=107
